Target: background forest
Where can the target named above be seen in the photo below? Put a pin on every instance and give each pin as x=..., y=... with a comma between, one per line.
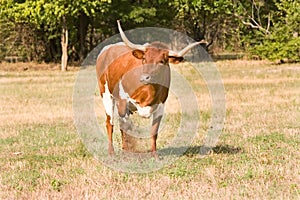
x=257, y=155
x=39, y=30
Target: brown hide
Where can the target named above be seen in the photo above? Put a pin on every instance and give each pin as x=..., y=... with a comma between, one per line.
x=118, y=62
x=144, y=76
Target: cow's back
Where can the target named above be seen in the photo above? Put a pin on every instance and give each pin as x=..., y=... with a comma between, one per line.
x=112, y=63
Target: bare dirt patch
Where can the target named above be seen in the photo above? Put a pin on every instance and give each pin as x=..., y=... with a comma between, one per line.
x=10, y=67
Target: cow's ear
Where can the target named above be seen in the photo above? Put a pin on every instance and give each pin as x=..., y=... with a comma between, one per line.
x=175, y=60
x=138, y=54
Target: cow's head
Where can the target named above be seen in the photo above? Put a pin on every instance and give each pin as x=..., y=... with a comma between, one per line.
x=155, y=58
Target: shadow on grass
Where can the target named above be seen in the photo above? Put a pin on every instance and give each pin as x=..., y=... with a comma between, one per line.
x=202, y=150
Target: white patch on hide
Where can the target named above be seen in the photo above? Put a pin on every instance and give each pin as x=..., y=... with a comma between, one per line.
x=122, y=93
x=108, y=102
x=144, y=111
x=110, y=45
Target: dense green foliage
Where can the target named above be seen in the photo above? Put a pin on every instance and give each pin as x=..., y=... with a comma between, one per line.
x=284, y=41
x=32, y=29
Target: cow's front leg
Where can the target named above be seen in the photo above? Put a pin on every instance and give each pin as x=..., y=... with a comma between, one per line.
x=154, y=132
x=157, y=116
x=125, y=123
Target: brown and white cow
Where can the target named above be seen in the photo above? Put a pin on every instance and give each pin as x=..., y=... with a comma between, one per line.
x=135, y=78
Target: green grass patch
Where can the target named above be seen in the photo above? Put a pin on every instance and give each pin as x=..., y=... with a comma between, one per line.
x=256, y=157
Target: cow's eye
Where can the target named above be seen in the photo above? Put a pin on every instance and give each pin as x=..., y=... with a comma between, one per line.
x=163, y=62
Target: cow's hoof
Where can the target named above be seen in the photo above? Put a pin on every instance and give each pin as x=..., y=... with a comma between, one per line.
x=155, y=156
x=111, y=151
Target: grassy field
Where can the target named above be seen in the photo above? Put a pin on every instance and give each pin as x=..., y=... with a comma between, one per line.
x=257, y=156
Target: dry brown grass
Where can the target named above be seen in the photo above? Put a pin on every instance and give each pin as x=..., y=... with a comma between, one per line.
x=257, y=157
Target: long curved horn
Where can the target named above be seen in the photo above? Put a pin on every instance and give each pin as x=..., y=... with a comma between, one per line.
x=185, y=50
x=127, y=42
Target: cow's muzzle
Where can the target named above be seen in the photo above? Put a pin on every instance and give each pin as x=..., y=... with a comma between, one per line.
x=145, y=78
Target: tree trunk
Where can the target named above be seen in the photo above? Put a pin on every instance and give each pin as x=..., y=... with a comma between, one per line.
x=83, y=28
x=64, y=45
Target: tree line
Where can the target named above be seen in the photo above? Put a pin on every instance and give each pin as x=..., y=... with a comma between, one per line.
x=61, y=30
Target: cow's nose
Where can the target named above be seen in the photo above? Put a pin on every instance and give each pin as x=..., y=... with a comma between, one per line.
x=145, y=78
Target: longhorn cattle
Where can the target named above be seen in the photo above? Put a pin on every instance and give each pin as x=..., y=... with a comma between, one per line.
x=135, y=78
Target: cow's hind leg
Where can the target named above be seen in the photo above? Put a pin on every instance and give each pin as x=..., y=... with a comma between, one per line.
x=108, y=103
x=109, y=128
